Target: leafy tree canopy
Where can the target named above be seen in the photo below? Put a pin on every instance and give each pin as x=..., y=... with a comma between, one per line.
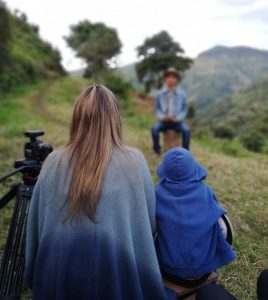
x=96, y=43
x=158, y=53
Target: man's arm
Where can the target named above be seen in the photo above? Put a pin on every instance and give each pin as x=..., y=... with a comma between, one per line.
x=159, y=113
x=184, y=110
x=158, y=110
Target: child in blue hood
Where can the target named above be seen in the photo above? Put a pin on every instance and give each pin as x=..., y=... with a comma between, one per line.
x=190, y=242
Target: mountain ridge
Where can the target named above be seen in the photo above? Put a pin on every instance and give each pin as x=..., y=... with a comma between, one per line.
x=222, y=71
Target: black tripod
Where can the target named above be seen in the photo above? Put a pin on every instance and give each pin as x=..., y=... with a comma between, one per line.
x=13, y=260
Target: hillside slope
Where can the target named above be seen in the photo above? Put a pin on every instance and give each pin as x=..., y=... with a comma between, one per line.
x=25, y=58
x=245, y=111
x=222, y=71
x=244, y=195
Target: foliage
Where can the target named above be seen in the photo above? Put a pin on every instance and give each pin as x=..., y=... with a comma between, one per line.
x=157, y=53
x=96, y=43
x=142, y=94
x=191, y=111
x=5, y=34
x=128, y=72
x=245, y=111
x=231, y=148
x=121, y=88
x=224, y=131
x=203, y=131
x=253, y=141
x=28, y=58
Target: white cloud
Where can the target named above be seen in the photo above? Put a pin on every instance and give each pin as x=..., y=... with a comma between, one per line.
x=197, y=25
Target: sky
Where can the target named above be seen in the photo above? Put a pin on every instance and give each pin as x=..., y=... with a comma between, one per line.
x=196, y=24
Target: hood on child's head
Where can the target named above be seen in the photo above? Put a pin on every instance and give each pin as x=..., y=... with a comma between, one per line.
x=179, y=165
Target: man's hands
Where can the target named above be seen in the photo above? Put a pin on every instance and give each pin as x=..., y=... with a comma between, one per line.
x=166, y=119
x=173, y=119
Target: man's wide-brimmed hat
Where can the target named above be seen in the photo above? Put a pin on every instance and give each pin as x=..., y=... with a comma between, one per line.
x=172, y=71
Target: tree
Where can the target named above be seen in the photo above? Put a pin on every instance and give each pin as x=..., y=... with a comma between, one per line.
x=95, y=43
x=5, y=33
x=157, y=53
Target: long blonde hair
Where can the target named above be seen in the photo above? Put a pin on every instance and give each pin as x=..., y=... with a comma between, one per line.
x=96, y=129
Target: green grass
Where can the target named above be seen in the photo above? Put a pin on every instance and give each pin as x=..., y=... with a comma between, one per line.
x=239, y=177
x=228, y=147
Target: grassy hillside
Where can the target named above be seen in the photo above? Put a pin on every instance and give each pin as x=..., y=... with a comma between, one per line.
x=25, y=58
x=241, y=183
x=222, y=71
x=245, y=110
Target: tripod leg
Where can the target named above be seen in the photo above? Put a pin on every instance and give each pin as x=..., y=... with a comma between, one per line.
x=9, y=196
x=18, y=242
x=8, y=251
x=12, y=267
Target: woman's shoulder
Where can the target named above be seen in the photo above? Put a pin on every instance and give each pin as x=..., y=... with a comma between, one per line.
x=135, y=152
x=58, y=153
x=54, y=160
x=129, y=159
x=129, y=154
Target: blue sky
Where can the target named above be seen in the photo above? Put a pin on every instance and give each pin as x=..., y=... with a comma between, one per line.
x=197, y=25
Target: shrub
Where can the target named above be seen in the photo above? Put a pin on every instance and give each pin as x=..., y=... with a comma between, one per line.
x=142, y=94
x=253, y=141
x=224, y=132
x=119, y=87
x=202, y=131
x=263, y=128
x=191, y=111
x=234, y=148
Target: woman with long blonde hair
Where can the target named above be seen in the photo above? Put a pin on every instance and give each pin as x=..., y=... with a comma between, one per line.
x=92, y=215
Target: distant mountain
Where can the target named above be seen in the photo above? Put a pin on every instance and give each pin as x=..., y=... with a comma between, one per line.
x=245, y=111
x=222, y=71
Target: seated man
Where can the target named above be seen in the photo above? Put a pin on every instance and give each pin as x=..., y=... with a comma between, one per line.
x=171, y=108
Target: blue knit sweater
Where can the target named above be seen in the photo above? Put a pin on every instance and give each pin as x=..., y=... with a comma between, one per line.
x=113, y=258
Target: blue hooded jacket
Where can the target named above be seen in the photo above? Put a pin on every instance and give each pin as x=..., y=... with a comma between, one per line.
x=189, y=242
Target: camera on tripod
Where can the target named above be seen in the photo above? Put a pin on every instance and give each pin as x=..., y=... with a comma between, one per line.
x=36, y=149
x=35, y=152
x=12, y=263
